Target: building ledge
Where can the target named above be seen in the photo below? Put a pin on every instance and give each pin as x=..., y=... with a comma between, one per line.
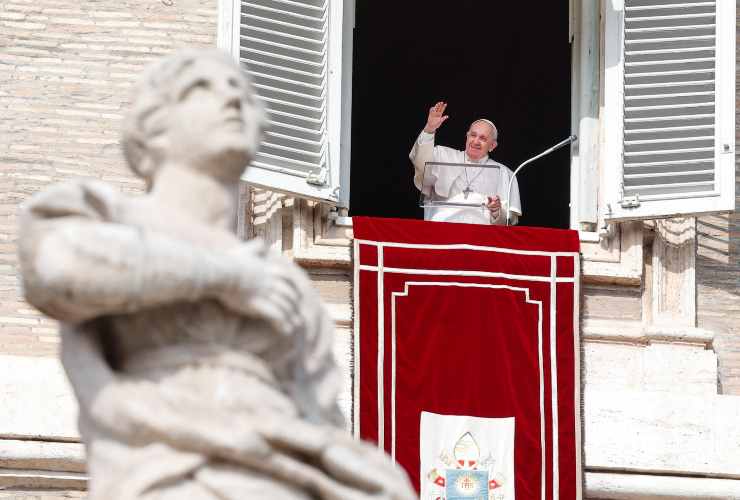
x=624, y=486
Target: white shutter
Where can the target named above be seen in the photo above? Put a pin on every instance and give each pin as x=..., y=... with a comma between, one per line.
x=670, y=125
x=292, y=49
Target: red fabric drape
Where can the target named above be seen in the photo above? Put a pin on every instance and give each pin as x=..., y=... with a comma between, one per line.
x=471, y=320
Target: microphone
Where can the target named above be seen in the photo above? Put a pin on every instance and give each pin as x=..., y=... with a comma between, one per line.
x=557, y=146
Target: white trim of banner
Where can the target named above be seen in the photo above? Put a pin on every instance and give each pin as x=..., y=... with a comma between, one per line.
x=393, y=370
x=465, y=246
x=554, y=377
x=478, y=274
x=538, y=303
x=356, y=345
x=543, y=468
x=381, y=351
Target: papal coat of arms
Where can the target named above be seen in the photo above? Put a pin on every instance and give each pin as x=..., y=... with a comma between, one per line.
x=463, y=475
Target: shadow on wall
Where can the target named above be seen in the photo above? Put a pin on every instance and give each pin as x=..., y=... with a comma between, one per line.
x=718, y=289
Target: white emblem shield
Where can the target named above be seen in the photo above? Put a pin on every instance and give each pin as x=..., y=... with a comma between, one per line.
x=464, y=457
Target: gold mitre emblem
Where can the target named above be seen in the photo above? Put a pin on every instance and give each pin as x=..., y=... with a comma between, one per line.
x=467, y=451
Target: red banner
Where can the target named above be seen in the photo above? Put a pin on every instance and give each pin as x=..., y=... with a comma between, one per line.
x=467, y=336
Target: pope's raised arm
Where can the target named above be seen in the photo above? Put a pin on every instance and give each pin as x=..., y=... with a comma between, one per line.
x=436, y=117
x=423, y=149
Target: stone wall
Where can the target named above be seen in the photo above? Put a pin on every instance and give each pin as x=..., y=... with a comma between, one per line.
x=718, y=274
x=718, y=293
x=41, y=494
x=66, y=68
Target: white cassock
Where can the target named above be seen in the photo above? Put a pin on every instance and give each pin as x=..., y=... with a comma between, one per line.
x=461, y=185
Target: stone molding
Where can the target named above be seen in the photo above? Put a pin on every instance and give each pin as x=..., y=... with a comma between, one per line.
x=637, y=332
x=619, y=486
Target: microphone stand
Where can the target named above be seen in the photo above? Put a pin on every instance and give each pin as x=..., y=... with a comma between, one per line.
x=557, y=146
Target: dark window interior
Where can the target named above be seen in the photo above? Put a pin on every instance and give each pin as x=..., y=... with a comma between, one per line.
x=506, y=61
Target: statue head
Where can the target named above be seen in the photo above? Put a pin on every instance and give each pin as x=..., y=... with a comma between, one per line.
x=194, y=109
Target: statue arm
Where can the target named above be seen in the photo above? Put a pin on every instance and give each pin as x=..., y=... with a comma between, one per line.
x=77, y=265
x=76, y=268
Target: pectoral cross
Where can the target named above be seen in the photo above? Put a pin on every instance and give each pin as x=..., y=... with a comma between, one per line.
x=468, y=182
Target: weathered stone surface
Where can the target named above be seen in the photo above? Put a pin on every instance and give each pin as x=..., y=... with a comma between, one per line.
x=40, y=494
x=662, y=432
x=37, y=401
x=620, y=486
x=653, y=367
x=66, y=71
x=42, y=455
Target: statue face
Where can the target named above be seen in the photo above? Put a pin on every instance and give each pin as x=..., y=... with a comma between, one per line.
x=212, y=124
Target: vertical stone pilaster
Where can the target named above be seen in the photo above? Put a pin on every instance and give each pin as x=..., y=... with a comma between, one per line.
x=673, y=287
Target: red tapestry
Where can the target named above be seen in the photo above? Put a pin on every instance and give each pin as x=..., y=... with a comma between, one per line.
x=470, y=331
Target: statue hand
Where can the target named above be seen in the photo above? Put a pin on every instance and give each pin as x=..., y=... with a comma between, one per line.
x=436, y=117
x=354, y=464
x=266, y=285
x=365, y=467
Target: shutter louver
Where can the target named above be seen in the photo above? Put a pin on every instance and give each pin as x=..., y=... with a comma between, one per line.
x=284, y=44
x=669, y=99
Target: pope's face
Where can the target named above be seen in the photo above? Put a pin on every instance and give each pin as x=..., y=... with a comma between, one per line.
x=479, y=140
x=211, y=125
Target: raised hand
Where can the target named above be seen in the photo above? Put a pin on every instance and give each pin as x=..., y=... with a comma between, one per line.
x=436, y=117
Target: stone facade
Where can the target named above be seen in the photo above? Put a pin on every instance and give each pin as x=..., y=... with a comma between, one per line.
x=718, y=289
x=718, y=271
x=41, y=494
x=65, y=72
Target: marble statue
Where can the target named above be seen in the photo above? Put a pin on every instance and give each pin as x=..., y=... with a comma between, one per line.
x=202, y=364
